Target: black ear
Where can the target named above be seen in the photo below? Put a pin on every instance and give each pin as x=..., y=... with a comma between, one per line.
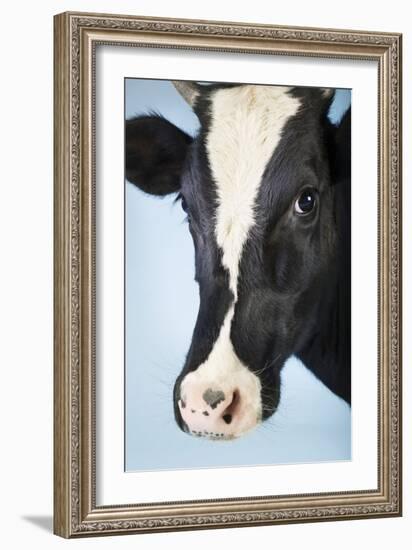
x=155, y=153
x=343, y=148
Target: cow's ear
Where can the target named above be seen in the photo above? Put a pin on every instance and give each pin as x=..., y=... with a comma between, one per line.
x=155, y=152
x=342, y=147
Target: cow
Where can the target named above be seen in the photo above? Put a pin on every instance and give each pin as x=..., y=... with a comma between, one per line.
x=265, y=185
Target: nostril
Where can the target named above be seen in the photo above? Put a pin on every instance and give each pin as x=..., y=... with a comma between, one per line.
x=230, y=410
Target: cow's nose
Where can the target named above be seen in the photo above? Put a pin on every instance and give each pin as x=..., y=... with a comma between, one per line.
x=210, y=412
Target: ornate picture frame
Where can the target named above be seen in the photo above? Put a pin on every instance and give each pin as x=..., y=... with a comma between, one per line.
x=77, y=511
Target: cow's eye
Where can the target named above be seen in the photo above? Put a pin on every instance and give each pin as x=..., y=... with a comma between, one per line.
x=184, y=203
x=185, y=207
x=306, y=201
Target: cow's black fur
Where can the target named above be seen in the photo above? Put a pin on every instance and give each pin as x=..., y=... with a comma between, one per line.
x=294, y=279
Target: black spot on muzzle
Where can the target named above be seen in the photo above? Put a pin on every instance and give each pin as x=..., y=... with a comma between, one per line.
x=213, y=397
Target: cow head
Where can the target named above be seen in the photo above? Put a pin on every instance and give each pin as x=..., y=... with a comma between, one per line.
x=257, y=184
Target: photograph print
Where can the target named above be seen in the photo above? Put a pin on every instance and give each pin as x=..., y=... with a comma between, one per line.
x=237, y=274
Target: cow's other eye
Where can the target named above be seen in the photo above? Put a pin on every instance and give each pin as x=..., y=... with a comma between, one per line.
x=306, y=201
x=184, y=203
x=184, y=206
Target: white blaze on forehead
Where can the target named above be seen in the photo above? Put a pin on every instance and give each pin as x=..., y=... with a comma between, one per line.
x=246, y=127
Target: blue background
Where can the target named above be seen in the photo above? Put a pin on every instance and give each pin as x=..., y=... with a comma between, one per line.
x=311, y=424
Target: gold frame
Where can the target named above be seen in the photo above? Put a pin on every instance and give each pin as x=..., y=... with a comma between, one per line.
x=75, y=38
